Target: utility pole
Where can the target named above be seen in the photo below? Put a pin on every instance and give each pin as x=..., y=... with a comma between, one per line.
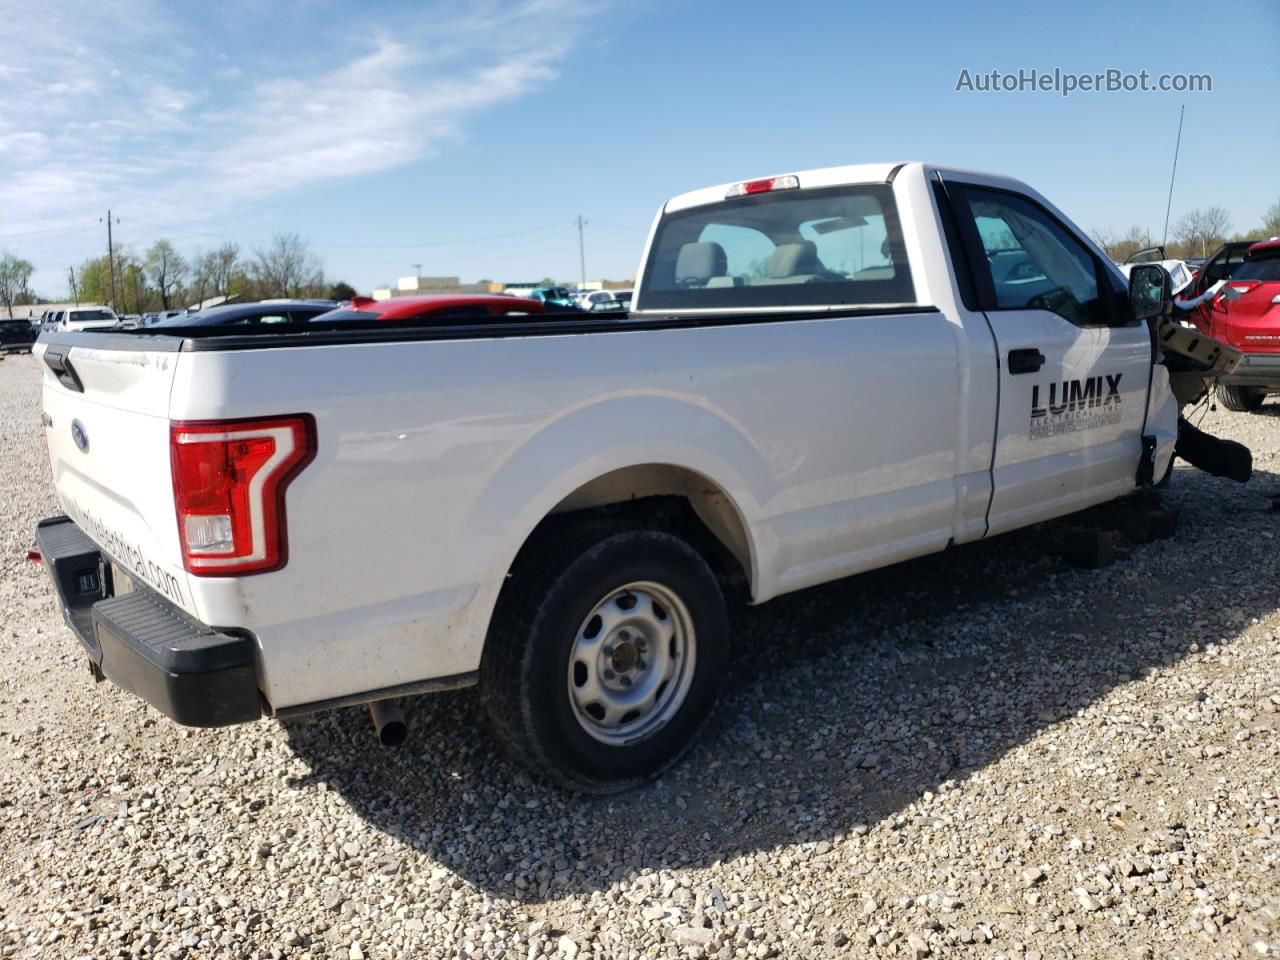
x=417, y=272
x=75, y=293
x=111, y=260
x=582, y=253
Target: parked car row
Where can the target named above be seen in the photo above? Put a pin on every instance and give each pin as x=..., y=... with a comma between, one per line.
x=76, y=318
x=515, y=301
x=590, y=301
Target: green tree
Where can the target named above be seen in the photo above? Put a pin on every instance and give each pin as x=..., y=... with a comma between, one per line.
x=341, y=291
x=132, y=281
x=93, y=281
x=15, y=274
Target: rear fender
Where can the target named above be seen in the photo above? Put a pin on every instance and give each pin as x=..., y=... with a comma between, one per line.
x=589, y=442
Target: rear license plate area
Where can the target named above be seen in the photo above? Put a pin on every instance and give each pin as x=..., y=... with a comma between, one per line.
x=121, y=580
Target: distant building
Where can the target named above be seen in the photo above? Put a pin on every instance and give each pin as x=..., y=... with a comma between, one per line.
x=608, y=285
x=416, y=286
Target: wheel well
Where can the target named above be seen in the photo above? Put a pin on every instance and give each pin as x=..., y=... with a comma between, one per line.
x=669, y=498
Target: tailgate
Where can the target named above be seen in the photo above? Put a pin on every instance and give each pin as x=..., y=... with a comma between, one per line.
x=106, y=416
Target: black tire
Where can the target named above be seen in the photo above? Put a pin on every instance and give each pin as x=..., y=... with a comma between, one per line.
x=524, y=673
x=1241, y=399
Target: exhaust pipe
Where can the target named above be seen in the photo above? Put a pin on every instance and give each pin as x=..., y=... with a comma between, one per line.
x=389, y=723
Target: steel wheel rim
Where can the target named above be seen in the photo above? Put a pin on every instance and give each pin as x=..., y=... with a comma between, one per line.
x=632, y=663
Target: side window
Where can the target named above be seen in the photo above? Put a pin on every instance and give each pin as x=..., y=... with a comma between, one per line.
x=1213, y=271
x=1033, y=263
x=1234, y=259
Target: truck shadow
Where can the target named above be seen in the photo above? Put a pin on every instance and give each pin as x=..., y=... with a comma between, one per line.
x=843, y=705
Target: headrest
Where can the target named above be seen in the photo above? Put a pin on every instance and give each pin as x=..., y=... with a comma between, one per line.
x=700, y=262
x=794, y=259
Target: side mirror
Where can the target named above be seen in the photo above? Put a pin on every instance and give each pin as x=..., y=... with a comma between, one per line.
x=1150, y=292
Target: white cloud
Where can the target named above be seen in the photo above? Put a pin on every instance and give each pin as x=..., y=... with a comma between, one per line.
x=131, y=108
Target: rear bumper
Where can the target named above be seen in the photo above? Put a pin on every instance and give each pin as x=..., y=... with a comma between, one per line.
x=143, y=643
x=1256, y=370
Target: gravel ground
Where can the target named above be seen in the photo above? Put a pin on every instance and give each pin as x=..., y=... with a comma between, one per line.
x=986, y=753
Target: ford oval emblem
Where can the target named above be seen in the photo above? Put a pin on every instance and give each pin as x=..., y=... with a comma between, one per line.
x=79, y=436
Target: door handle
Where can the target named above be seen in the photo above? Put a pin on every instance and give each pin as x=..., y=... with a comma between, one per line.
x=1025, y=361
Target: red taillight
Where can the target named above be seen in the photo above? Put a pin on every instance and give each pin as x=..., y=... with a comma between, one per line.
x=790, y=182
x=229, y=479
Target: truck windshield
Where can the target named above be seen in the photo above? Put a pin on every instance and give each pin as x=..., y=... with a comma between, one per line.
x=838, y=246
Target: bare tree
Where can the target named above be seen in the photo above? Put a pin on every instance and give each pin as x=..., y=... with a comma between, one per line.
x=287, y=267
x=226, y=259
x=204, y=269
x=15, y=273
x=1203, y=229
x=167, y=269
x=1118, y=247
x=1271, y=221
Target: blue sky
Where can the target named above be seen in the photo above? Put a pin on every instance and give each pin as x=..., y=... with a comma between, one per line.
x=396, y=133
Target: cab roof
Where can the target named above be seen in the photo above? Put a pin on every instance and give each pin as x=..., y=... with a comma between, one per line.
x=819, y=177
x=838, y=176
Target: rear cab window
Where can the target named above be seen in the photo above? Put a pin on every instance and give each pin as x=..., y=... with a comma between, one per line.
x=827, y=247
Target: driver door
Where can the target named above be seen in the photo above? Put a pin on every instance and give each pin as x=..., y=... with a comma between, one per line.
x=1074, y=367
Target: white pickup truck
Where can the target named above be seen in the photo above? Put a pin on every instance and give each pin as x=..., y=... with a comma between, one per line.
x=823, y=373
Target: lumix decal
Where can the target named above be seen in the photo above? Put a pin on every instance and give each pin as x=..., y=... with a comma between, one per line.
x=1068, y=406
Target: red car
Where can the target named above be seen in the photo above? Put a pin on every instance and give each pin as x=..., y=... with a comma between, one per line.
x=1246, y=314
x=446, y=306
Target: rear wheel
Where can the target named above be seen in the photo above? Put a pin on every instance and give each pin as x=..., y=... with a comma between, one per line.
x=1242, y=399
x=605, y=656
